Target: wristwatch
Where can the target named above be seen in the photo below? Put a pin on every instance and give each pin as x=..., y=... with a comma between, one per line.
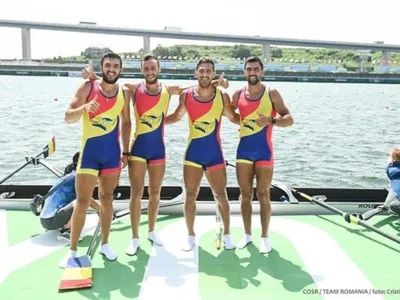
x=273, y=121
x=125, y=153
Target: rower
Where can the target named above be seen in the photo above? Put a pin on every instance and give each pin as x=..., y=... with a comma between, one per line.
x=392, y=202
x=56, y=207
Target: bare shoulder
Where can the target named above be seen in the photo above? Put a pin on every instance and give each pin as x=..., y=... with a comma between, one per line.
x=131, y=86
x=274, y=93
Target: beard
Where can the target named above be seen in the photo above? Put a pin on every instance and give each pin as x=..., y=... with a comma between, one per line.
x=109, y=79
x=151, y=81
x=204, y=83
x=253, y=80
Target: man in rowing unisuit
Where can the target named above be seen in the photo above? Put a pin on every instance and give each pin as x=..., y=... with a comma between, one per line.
x=151, y=99
x=205, y=105
x=104, y=106
x=258, y=106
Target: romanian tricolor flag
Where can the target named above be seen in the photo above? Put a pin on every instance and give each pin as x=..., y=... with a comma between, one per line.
x=50, y=148
x=77, y=274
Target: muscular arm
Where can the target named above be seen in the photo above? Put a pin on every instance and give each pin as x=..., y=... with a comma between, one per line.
x=126, y=124
x=177, y=90
x=285, y=118
x=77, y=105
x=179, y=112
x=229, y=110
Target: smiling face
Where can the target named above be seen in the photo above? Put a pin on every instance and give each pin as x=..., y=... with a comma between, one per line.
x=150, y=70
x=253, y=72
x=111, y=69
x=205, y=73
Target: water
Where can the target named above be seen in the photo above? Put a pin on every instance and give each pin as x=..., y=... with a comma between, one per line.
x=341, y=137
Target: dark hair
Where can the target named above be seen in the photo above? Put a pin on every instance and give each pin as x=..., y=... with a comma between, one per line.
x=150, y=57
x=254, y=59
x=111, y=55
x=206, y=61
x=72, y=166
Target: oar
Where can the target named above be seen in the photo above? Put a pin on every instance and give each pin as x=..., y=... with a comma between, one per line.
x=348, y=217
x=46, y=152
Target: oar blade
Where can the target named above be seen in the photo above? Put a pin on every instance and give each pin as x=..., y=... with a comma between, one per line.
x=50, y=148
x=77, y=274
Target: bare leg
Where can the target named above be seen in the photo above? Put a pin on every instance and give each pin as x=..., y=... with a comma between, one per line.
x=156, y=177
x=192, y=177
x=137, y=172
x=217, y=180
x=108, y=183
x=245, y=176
x=264, y=178
x=85, y=185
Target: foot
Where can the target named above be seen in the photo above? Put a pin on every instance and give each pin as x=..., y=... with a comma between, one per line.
x=65, y=236
x=245, y=241
x=64, y=260
x=155, y=238
x=189, y=244
x=265, y=245
x=228, y=242
x=133, y=247
x=107, y=252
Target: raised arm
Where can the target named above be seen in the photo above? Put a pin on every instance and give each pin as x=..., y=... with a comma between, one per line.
x=285, y=118
x=229, y=110
x=177, y=90
x=126, y=125
x=78, y=104
x=179, y=112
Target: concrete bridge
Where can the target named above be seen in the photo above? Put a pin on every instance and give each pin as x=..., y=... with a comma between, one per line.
x=176, y=33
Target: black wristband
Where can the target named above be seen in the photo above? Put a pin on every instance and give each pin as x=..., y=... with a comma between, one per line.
x=125, y=153
x=273, y=121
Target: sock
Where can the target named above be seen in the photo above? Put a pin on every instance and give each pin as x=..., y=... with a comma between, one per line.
x=107, y=252
x=155, y=238
x=265, y=245
x=229, y=244
x=63, y=262
x=133, y=247
x=245, y=241
x=189, y=244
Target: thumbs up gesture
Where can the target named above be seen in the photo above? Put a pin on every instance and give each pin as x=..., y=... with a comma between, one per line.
x=263, y=120
x=88, y=72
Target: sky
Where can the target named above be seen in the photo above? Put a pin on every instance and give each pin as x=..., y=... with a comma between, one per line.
x=339, y=20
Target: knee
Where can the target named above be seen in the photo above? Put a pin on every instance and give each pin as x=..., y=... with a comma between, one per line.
x=137, y=190
x=154, y=193
x=246, y=195
x=106, y=196
x=263, y=194
x=220, y=195
x=191, y=193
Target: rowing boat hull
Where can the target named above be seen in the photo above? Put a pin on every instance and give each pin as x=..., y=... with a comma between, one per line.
x=348, y=200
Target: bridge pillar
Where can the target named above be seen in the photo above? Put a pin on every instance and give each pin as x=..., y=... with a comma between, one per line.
x=26, y=43
x=385, y=61
x=146, y=44
x=266, y=51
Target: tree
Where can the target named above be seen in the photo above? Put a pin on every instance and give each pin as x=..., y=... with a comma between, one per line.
x=240, y=51
x=161, y=51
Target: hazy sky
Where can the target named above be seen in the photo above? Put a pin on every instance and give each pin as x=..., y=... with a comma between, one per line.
x=341, y=20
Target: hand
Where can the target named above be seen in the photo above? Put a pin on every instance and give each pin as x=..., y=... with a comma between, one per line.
x=88, y=72
x=124, y=161
x=92, y=105
x=221, y=81
x=263, y=120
